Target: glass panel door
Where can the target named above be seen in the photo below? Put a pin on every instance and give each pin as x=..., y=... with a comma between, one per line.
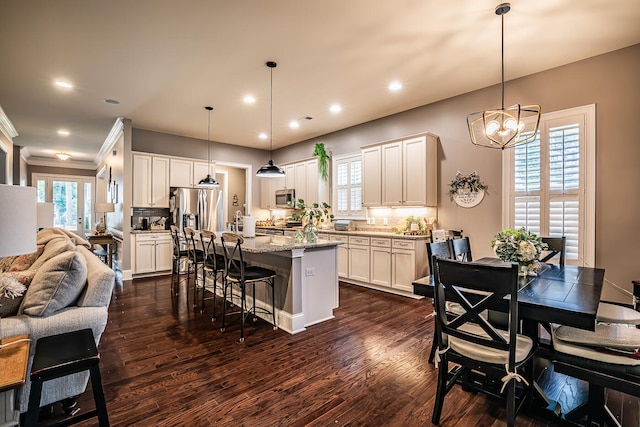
x=72, y=200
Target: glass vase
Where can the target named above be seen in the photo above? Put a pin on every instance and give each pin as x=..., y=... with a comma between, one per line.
x=523, y=269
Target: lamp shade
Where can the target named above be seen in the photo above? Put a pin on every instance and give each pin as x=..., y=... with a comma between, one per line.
x=103, y=207
x=17, y=220
x=45, y=215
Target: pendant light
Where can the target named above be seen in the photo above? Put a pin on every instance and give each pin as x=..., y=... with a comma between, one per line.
x=209, y=181
x=505, y=127
x=270, y=170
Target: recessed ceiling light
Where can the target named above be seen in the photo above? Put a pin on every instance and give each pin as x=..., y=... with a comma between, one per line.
x=249, y=99
x=335, y=108
x=63, y=156
x=293, y=124
x=112, y=101
x=262, y=136
x=395, y=86
x=63, y=132
x=63, y=84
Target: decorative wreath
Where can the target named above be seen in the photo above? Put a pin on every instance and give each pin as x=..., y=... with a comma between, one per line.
x=467, y=183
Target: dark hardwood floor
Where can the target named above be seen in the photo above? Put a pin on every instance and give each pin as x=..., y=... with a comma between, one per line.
x=163, y=364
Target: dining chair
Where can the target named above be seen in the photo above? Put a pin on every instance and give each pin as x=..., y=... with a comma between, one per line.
x=180, y=256
x=195, y=262
x=607, y=358
x=461, y=249
x=213, y=264
x=556, y=247
x=608, y=312
x=471, y=342
x=236, y=272
x=443, y=250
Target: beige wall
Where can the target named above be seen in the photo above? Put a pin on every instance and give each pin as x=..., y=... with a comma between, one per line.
x=611, y=81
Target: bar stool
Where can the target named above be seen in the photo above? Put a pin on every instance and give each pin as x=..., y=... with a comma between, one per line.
x=61, y=355
x=180, y=256
x=236, y=272
x=213, y=264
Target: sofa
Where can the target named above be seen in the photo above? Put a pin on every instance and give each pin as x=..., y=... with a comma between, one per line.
x=67, y=288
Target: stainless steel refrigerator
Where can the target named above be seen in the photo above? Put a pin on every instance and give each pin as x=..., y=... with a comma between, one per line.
x=197, y=208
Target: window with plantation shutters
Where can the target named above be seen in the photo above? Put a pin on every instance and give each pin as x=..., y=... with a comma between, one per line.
x=347, y=186
x=550, y=182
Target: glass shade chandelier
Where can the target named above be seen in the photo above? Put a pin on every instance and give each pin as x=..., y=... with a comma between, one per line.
x=270, y=170
x=505, y=127
x=208, y=181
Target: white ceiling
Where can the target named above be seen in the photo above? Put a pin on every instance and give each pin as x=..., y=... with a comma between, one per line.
x=164, y=60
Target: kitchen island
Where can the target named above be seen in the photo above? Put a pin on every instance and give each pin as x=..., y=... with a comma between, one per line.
x=306, y=282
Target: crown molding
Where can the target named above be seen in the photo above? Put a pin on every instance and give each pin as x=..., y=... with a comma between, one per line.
x=6, y=126
x=114, y=134
x=55, y=163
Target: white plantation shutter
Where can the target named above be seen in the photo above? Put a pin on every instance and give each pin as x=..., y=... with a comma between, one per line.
x=348, y=186
x=545, y=182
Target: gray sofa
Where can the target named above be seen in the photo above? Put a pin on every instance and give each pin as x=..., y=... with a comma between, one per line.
x=80, y=299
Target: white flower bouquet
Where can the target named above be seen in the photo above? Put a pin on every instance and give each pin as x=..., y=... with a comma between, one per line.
x=519, y=246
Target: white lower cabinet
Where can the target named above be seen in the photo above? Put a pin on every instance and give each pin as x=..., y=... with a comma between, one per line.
x=343, y=255
x=381, y=261
x=153, y=253
x=359, y=258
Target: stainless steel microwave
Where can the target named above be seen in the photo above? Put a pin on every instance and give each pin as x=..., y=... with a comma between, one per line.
x=285, y=199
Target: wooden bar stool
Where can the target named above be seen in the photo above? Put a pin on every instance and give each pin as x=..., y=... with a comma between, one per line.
x=65, y=354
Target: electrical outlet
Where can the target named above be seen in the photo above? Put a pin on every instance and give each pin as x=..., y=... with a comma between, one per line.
x=310, y=271
x=373, y=220
x=386, y=221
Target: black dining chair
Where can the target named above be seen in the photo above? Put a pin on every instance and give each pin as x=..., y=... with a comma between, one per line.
x=238, y=273
x=213, y=265
x=461, y=249
x=606, y=358
x=180, y=256
x=471, y=342
x=195, y=263
x=556, y=247
x=443, y=250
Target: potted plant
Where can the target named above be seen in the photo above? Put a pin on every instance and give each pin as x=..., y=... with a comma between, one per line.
x=323, y=160
x=311, y=217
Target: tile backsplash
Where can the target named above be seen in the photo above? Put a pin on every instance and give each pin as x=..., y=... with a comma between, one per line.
x=150, y=214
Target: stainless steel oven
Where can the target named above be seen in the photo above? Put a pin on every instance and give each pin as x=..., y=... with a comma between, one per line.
x=285, y=199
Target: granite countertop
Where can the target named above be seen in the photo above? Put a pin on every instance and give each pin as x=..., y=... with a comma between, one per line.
x=365, y=233
x=264, y=244
x=150, y=231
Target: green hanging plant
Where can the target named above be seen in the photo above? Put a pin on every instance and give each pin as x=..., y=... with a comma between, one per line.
x=323, y=160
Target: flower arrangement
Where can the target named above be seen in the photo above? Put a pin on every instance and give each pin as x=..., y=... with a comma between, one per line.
x=11, y=288
x=519, y=246
x=466, y=183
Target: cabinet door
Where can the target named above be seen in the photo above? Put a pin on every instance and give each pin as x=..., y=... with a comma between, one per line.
x=145, y=256
x=343, y=261
x=141, y=180
x=312, y=178
x=300, y=181
x=290, y=176
x=164, y=253
x=392, y=174
x=380, y=266
x=359, y=262
x=403, y=269
x=181, y=173
x=414, y=171
x=160, y=183
x=371, y=177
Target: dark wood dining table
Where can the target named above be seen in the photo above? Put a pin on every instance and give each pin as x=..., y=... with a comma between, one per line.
x=567, y=295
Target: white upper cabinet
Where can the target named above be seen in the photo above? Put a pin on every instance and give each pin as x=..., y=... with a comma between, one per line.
x=151, y=178
x=201, y=170
x=401, y=173
x=181, y=173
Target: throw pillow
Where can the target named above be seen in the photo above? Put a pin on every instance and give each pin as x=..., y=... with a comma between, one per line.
x=51, y=249
x=23, y=262
x=12, y=287
x=57, y=284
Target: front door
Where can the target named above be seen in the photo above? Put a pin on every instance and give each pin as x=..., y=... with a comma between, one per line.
x=72, y=198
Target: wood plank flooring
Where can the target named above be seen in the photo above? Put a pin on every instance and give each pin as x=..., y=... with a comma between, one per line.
x=164, y=364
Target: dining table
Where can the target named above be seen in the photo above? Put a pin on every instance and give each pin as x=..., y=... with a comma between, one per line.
x=562, y=294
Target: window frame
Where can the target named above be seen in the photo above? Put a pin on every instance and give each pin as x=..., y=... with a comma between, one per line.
x=351, y=214
x=587, y=233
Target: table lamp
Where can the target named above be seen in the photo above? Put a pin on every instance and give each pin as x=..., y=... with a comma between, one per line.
x=103, y=208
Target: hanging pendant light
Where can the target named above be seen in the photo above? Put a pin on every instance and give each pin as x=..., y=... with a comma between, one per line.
x=208, y=181
x=505, y=127
x=270, y=170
